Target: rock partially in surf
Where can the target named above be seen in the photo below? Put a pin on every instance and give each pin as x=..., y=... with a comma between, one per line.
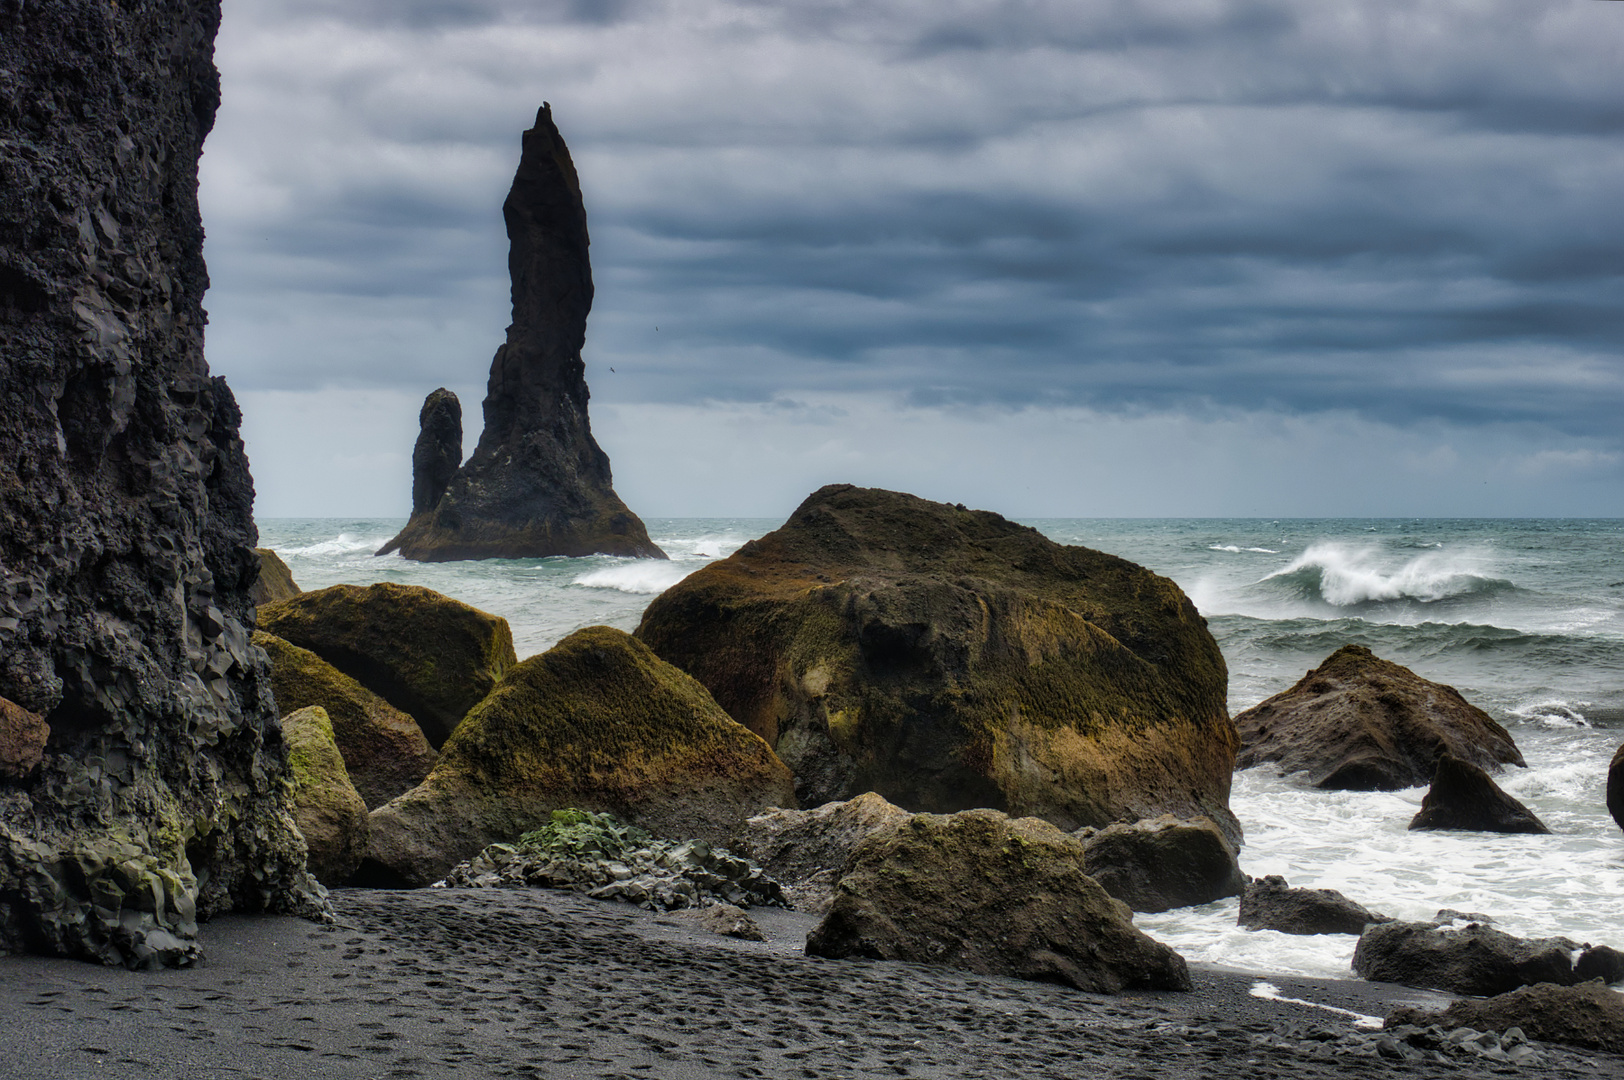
x=1588, y=1015
x=1466, y=959
x=597, y=722
x=23, y=736
x=385, y=752
x=947, y=658
x=275, y=580
x=995, y=895
x=328, y=810
x=1163, y=863
x=806, y=849
x=1268, y=903
x=1615, y=787
x=1602, y=962
x=423, y=652
x=1463, y=797
x=1360, y=723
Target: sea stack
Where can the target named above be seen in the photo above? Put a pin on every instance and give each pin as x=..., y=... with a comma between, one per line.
x=538, y=484
x=145, y=787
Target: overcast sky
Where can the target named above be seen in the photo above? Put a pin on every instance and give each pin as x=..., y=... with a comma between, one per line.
x=1163, y=257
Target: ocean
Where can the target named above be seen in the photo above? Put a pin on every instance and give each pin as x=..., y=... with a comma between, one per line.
x=1525, y=617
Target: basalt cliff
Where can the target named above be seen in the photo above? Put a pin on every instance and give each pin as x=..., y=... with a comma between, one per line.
x=538, y=484
x=143, y=787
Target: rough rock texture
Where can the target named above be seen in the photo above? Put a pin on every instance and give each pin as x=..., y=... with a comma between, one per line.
x=1463, y=797
x=385, y=752
x=597, y=722
x=275, y=580
x=537, y=484
x=1268, y=903
x=947, y=658
x=330, y=813
x=438, y=451
x=126, y=526
x=1615, y=787
x=1163, y=863
x=995, y=895
x=1588, y=1015
x=1469, y=959
x=23, y=736
x=806, y=849
x=423, y=652
x=1360, y=723
x=724, y=919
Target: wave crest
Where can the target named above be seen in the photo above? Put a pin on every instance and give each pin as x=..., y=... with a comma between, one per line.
x=644, y=577
x=1345, y=576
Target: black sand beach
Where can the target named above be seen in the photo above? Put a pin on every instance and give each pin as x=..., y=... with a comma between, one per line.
x=474, y=983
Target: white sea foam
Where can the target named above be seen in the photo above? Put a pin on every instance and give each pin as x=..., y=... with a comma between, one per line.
x=1553, y=713
x=1236, y=550
x=1347, y=575
x=342, y=544
x=1270, y=992
x=642, y=577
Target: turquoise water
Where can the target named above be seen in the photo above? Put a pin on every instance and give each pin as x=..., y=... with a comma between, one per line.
x=1524, y=617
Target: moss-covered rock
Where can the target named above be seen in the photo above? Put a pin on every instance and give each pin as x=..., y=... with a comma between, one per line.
x=329, y=812
x=275, y=581
x=385, y=752
x=1361, y=723
x=1163, y=863
x=423, y=652
x=597, y=722
x=994, y=895
x=947, y=658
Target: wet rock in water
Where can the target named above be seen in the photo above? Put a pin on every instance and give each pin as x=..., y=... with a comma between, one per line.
x=423, y=652
x=1615, y=786
x=726, y=920
x=995, y=895
x=23, y=736
x=385, y=752
x=1268, y=903
x=806, y=849
x=1463, y=797
x=1466, y=959
x=438, y=451
x=597, y=855
x=1163, y=863
x=1601, y=962
x=1587, y=1015
x=537, y=484
x=1360, y=723
x=329, y=812
x=597, y=722
x=947, y=658
x=126, y=525
x=275, y=580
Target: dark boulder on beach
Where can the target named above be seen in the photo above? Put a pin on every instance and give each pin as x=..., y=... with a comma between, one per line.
x=596, y=722
x=1468, y=959
x=423, y=652
x=275, y=580
x=805, y=850
x=995, y=895
x=385, y=751
x=1464, y=797
x=1360, y=723
x=1615, y=787
x=126, y=528
x=1269, y=903
x=537, y=484
x=1588, y=1015
x=1163, y=863
x=330, y=813
x=946, y=658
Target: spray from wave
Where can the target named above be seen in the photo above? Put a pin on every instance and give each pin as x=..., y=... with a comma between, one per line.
x=343, y=544
x=1346, y=576
x=641, y=577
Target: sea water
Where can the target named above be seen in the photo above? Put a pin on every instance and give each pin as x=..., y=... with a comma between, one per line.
x=1524, y=617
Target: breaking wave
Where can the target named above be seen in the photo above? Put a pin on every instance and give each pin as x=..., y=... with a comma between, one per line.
x=640, y=577
x=1346, y=577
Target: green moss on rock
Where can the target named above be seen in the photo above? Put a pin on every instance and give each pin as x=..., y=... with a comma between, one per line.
x=329, y=812
x=275, y=581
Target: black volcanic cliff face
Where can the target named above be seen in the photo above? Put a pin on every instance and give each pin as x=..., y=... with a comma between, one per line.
x=126, y=527
x=538, y=484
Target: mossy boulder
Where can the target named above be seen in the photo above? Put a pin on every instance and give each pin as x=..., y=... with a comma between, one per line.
x=806, y=849
x=385, y=751
x=1163, y=863
x=946, y=658
x=995, y=895
x=597, y=722
x=275, y=581
x=423, y=652
x=1361, y=723
x=326, y=807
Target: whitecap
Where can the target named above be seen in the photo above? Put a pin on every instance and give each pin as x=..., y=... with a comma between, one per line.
x=1553, y=713
x=1235, y=549
x=642, y=577
x=342, y=544
x=1344, y=575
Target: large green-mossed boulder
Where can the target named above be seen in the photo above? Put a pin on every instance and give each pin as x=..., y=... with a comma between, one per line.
x=596, y=722
x=326, y=806
x=946, y=658
x=423, y=652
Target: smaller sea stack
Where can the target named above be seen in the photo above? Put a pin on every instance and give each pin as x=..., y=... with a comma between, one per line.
x=538, y=484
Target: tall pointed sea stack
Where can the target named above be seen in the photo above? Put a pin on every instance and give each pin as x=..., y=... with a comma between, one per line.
x=142, y=768
x=537, y=484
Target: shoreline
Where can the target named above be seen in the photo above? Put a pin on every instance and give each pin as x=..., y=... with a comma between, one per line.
x=441, y=983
